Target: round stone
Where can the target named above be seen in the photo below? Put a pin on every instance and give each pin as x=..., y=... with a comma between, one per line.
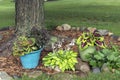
x=1, y=37
x=66, y=27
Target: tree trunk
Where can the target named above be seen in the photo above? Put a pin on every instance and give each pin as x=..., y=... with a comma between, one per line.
x=29, y=13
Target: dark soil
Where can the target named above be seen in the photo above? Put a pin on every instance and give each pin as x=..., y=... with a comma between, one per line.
x=12, y=64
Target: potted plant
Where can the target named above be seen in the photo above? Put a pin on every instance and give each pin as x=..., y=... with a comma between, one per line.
x=29, y=47
x=27, y=50
x=63, y=59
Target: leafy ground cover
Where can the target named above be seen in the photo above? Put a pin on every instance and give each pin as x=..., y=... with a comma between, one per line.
x=92, y=13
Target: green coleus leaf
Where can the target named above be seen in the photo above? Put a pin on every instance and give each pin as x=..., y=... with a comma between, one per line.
x=101, y=38
x=78, y=41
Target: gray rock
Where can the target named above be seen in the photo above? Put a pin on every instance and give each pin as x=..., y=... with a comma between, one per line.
x=1, y=37
x=66, y=27
x=110, y=33
x=82, y=66
x=96, y=70
x=85, y=68
x=83, y=28
x=59, y=28
x=34, y=74
x=77, y=28
x=53, y=39
x=63, y=76
x=5, y=76
x=118, y=39
x=105, y=68
x=48, y=46
x=115, y=37
x=16, y=77
x=57, y=69
x=73, y=28
x=90, y=29
x=103, y=32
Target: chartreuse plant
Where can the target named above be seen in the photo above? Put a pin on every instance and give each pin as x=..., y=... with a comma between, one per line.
x=63, y=59
x=90, y=39
x=23, y=45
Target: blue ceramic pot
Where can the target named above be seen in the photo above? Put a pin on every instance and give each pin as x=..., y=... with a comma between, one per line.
x=30, y=60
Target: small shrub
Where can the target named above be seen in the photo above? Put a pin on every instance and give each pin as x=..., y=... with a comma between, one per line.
x=63, y=59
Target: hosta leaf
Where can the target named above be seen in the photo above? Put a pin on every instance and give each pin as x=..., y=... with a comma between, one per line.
x=111, y=57
x=93, y=63
x=98, y=57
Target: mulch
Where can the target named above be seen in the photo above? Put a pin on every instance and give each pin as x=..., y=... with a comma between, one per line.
x=12, y=65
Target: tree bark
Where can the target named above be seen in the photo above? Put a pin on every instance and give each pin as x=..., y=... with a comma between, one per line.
x=29, y=13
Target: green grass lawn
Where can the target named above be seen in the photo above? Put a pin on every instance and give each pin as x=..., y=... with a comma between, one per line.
x=89, y=13
x=6, y=13
x=98, y=76
x=103, y=14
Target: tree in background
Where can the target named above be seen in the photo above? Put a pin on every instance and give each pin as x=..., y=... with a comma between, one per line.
x=29, y=13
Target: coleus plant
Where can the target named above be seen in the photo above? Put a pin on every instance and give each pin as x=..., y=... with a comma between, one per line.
x=63, y=59
x=90, y=39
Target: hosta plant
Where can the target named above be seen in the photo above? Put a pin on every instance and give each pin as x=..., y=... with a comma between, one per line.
x=63, y=59
x=23, y=45
x=108, y=56
x=90, y=39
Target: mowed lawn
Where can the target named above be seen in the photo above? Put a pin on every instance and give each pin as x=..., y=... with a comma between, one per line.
x=103, y=14
x=7, y=12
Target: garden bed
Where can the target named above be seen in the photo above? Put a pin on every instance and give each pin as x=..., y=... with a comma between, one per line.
x=12, y=65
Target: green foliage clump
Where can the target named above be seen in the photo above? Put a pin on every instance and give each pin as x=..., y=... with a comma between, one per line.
x=63, y=59
x=23, y=45
x=108, y=56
